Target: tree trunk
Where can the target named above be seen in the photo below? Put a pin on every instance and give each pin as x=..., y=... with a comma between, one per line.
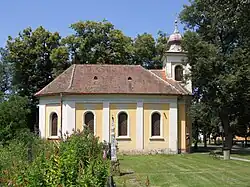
x=205, y=139
x=227, y=131
x=196, y=136
x=209, y=140
x=245, y=141
x=215, y=143
x=196, y=144
x=228, y=137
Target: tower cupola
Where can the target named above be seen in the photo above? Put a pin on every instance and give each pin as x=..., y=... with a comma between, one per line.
x=175, y=60
x=175, y=40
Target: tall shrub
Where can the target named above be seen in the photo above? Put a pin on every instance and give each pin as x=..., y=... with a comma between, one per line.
x=77, y=161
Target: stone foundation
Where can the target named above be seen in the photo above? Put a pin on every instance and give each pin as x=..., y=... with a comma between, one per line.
x=147, y=152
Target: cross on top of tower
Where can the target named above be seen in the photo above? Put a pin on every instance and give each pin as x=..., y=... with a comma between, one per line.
x=176, y=30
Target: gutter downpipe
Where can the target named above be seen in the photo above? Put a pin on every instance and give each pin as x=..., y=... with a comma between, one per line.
x=61, y=104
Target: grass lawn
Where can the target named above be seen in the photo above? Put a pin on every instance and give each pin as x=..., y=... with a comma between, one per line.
x=194, y=170
x=245, y=156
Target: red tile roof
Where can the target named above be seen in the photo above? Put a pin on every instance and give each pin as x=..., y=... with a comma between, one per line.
x=161, y=73
x=112, y=79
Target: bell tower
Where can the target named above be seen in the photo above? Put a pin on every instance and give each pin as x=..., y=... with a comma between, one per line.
x=175, y=60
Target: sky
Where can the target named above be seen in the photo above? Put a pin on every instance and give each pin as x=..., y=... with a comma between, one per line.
x=133, y=17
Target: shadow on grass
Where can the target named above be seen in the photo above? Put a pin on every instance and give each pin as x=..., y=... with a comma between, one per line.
x=236, y=150
x=126, y=173
x=204, y=149
x=241, y=152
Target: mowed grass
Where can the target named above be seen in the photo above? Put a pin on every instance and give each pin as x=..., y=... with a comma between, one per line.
x=245, y=156
x=191, y=170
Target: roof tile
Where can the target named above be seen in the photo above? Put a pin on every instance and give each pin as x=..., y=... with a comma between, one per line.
x=110, y=79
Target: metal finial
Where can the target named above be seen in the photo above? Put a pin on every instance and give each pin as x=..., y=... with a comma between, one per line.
x=176, y=30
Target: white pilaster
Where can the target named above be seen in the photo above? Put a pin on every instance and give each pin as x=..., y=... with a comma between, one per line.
x=139, y=126
x=69, y=117
x=169, y=70
x=173, y=127
x=105, y=121
x=189, y=82
x=42, y=109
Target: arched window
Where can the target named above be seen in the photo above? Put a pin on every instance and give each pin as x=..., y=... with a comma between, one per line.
x=178, y=73
x=122, y=124
x=89, y=121
x=155, y=124
x=54, y=124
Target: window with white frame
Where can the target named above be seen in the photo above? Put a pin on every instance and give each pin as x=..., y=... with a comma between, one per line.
x=122, y=124
x=89, y=121
x=178, y=73
x=53, y=124
x=155, y=124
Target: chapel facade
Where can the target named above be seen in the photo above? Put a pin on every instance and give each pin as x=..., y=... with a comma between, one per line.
x=149, y=108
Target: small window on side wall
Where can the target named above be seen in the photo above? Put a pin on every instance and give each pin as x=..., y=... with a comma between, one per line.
x=54, y=124
x=178, y=73
x=122, y=124
x=89, y=121
x=155, y=124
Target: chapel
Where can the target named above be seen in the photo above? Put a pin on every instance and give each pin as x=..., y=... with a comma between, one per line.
x=149, y=108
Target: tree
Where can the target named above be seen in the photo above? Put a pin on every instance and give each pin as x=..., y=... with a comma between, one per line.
x=204, y=121
x=98, y=43
x=13, y=116
x=30, y=57
x=148, y=51
x=145, y=50
x=218, y=55
x=161, y=48
x=5, y=72
x=60, y=58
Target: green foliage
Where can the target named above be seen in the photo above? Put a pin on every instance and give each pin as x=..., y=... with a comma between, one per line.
x=77, y=161
x=60, y=59
x=14, y=154
x=5, y=71
x=218, y=53
x=148, y=52
x=145, y=50
x=13, y=117
x=30, y=55
x=98, y=43
x=32, y=68
x=161, y=47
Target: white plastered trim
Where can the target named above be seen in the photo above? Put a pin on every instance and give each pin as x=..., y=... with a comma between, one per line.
x=128, y=124
x=161, y=125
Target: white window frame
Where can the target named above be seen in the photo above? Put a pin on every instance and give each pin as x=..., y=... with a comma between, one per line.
x=50, y=126
x=183, y=69
x=161, y=125
x=93, y=112
x=117, y=125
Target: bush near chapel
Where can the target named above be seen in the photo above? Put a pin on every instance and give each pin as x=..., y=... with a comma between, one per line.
x=77, y=161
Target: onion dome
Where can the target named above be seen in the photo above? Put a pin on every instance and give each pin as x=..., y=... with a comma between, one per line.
x=175, y=40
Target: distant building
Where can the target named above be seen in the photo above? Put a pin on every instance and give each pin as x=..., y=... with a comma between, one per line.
x=149, y=107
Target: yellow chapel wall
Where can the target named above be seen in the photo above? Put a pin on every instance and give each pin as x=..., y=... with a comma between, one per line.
x=130, y=109
x=96, y=108
x=51, y=108
x=188, y=128
x=184, y=128
x=161, y=143
x=130, y=144
x=181, y=127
